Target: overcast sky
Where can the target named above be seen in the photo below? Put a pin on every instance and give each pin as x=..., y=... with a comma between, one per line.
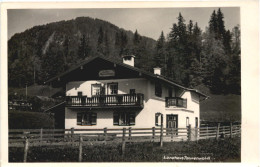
x=148, y=22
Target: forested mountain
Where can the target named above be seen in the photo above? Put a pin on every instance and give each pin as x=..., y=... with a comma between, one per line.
x=44, y=51
x=186, y=55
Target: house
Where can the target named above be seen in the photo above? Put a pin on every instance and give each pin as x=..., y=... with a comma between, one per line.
x=101, y=92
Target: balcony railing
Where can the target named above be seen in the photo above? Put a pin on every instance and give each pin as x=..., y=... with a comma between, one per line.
x=175, y=101
x=127, y=100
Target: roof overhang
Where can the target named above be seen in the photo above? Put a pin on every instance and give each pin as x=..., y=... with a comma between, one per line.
x=143, y=73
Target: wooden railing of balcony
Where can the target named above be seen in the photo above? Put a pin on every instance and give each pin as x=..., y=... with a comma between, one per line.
x=106, y=100
x=175, y=101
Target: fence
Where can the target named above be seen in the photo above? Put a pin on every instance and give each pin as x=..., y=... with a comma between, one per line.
x=82, y=137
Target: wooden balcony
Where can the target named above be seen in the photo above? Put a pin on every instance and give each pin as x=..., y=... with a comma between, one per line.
x=106, y=101
x=175, y=101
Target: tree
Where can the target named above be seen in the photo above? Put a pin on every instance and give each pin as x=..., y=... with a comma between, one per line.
x=177, y=50
x=123, y=43
x=236, y=40
x=221, y=26
x=160, y=55
x=227, y=42
x=84, y=48
x=194, y=47
x=190, y=28
x=107, y=46
x=214, y=63
x=137, y=38
x=100, y=42
x=213, y=24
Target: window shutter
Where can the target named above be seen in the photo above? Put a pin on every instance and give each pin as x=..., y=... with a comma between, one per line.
x=156, y=119
x=79, y=118
x=116, y=119
x=132, y=118
x=93, y=118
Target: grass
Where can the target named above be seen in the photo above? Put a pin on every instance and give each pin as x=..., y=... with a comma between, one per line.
x=227, y=150
x=29, y=120
x=219, y=108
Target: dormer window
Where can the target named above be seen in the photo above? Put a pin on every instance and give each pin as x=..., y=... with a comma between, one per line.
x=158, y=90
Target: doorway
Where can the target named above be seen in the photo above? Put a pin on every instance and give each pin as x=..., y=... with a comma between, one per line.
x=172, y=124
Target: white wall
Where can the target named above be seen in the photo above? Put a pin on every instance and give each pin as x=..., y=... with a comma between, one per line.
x=124, y=86
x=144, y=117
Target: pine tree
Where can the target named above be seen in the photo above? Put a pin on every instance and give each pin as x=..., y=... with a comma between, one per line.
x=66, y=51
x=84, y=48
x=137, y=38
x=177, y=50
x=106, y=41
x=160, y=55
x=221, y=26
x=213, y=24
x=227, y=42
x=236, y=40
x=100, y=42
x=123, y=43
x=190, y=28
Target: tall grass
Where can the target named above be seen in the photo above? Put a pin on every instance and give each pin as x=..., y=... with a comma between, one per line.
x=227, y=150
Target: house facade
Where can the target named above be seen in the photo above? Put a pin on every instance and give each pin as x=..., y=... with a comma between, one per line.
x=104, y=93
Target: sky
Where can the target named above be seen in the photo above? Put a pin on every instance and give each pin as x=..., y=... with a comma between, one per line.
x=148, y=22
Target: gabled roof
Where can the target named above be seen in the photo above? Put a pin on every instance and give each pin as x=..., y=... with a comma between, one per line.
x=149, y=74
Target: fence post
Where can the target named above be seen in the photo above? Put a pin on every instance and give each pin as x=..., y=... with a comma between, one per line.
x=130, y=133
x=123, y=141
x=26, y=148
x=189, y=132
x=171, y=134
x=80, y=148
x=196, y=133
x=231, y=132
x=217, y=132
x=72, y=136
x=161, y=136
x=223, y=131
x=105, y=135
x=207, y=132
x=153, y=131
x=41, y=132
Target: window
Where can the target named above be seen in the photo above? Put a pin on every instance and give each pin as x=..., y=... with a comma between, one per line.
x=187, y=121
x=86, y=118
x=79, y=93
x=95, y=89
x=170, y=92
x=132, y=91
x=124, y=118
x=196, y=122
x=158, y=90
x=112, y=88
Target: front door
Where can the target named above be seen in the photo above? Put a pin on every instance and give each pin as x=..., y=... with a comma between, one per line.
x=172, y=124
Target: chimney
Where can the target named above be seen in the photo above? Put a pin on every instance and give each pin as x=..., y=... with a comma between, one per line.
x=129, y=60
x=157, y=70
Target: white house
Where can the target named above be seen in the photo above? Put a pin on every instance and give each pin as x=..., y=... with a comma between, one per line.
x=104, y=93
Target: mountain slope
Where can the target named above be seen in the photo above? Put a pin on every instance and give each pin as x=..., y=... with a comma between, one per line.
x=44, y=51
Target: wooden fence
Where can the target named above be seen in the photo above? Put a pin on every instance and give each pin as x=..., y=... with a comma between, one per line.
x=82, y=137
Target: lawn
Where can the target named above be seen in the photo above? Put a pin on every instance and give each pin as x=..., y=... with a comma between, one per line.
x=29, y=120
x=227, y=150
